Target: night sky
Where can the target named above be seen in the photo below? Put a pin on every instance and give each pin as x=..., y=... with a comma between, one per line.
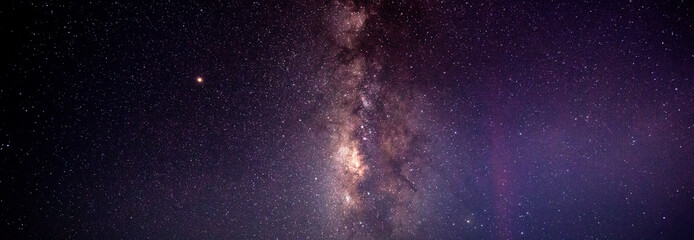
x=346, y=119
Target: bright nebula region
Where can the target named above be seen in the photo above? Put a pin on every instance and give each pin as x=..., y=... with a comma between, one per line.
x=347, y=119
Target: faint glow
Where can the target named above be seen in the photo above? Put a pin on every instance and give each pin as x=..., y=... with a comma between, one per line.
x=347, y=198
x=352, y=160
x=199, y=79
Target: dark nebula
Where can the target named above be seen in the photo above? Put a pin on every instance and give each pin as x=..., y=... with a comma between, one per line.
x=347, y=119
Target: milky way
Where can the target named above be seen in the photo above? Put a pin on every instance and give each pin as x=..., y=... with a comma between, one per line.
x=347, y=119
x=377, y=142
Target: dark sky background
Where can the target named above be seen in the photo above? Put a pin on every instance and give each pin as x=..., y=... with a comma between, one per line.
x=465, y=120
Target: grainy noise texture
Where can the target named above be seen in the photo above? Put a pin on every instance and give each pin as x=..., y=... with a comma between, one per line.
x=347, y=119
